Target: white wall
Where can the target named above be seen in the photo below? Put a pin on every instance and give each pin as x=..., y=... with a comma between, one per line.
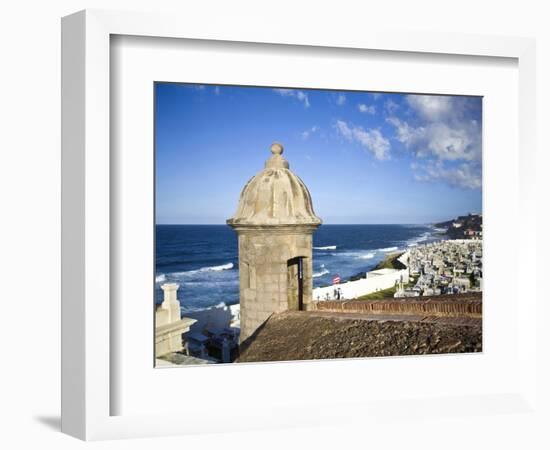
x=364, y=286
x=375, y=281
x=30, y=192
x=215, y=318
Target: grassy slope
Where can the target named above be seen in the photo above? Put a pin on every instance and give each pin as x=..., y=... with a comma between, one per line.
x=391, y=262
x=378, y=295
x=386, y=293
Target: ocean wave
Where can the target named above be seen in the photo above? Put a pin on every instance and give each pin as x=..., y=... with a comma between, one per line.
x=417, y=240
x=161, y=278
x=323, y=271
x=388, y=249
x=367, y=256
x=219, y=268
x=201, y=308
x=326, y=247
x=358, y=254
x=227, y=266
x=320, y=274
x=211, y=283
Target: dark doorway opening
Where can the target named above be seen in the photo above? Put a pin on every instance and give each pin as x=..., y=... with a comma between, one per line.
x=296, y=283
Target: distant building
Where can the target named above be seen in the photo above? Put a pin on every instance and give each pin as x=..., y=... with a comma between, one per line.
x=447, y=267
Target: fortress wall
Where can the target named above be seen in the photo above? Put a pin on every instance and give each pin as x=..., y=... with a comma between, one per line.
x=444, y=305
x=263, y=273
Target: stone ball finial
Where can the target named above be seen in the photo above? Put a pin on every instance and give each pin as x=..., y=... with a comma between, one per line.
x=275, y=196
x=277, y=149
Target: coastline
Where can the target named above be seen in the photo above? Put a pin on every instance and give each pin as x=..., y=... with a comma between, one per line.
x=350, y=251
x=392, y=275
x=203, y=259
x=380, y=297
x=391, y=261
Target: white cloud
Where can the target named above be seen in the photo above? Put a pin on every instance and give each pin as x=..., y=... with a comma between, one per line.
x=390, y=106
x=344, y=130
x=406, y=134
x=367, y=109
x=371, y=139
x=432, y=107
x=341, y=100
x=285, y=92
x=301, y=96
x=376, y=95
x=445, y=142
x=307, y=133
x=465, y=176
x=217, y=90
x=442, y=141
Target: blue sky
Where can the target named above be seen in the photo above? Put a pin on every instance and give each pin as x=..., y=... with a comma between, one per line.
x=365, y=157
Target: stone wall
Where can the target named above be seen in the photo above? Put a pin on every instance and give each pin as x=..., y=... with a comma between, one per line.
x=264, y=273
x=467, y=305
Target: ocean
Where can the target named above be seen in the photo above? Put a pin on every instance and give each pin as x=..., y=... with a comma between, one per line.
x=203, y=259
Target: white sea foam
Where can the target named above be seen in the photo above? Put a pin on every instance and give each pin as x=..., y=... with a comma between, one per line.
x=320, y=274
x=160, y=278
x=211, y=283
x=326, y=247
x=227, y=266
x=388, y=249
x=323, y=271
x=366, y=256
x=415, y=241
x=359, y=254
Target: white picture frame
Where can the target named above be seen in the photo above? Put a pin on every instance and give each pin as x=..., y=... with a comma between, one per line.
x=87, y=358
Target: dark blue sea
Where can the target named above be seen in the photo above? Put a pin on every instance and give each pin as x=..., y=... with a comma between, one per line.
x=203, y=258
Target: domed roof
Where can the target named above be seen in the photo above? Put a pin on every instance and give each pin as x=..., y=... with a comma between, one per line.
x=275, y=196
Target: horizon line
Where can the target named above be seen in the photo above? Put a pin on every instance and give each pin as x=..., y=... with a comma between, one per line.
x=378, y=223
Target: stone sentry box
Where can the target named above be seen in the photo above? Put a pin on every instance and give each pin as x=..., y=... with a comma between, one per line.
x=274, y=223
